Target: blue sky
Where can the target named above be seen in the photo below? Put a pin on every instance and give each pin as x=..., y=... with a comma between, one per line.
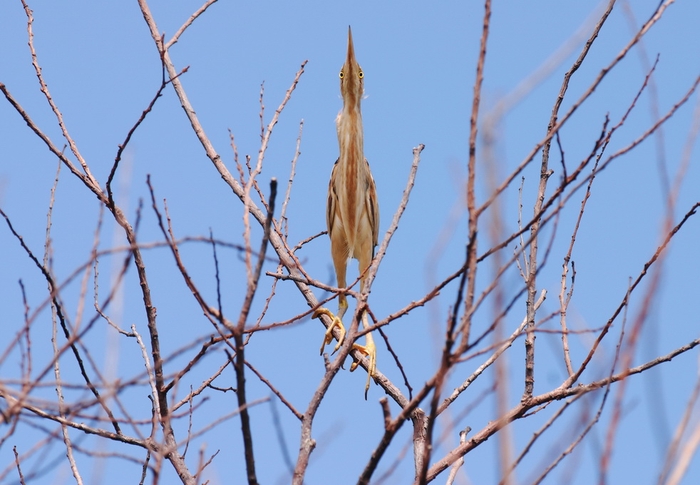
x=419, y=60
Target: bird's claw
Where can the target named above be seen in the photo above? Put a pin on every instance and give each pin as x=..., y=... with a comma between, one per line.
x=368, y=349
x=335, y=322
x=371, y=352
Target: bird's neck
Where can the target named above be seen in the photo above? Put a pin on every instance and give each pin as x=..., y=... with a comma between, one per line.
x=350, y=133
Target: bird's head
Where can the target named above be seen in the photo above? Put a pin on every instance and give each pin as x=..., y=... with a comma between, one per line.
x=352, y=85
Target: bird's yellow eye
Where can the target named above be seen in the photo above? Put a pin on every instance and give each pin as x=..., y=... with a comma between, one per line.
x=341, y=75
x=361, y=74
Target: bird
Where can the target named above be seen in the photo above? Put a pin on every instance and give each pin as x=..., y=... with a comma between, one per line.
x=352, y=209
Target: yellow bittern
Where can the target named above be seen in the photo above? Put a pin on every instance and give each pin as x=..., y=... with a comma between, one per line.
x=352, y=211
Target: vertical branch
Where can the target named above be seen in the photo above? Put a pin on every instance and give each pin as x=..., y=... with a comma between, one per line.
x=564, y=300
x=531, y=281
x=253, y=285
x=26, y=356
x=471, y=179
x=446, y=361
x=151, y=380
x=238, y=336
x=284, y=223
x=54, y=337
x=564, y=297
x=501, y=377
x=677, y=456
x=545, y=173
x=246, y=195
x=683, y=456
x=161, y=399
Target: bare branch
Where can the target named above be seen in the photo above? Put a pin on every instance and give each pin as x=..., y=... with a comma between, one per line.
x=187, y=23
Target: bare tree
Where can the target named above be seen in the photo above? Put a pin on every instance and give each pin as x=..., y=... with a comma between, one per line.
x=494, y=339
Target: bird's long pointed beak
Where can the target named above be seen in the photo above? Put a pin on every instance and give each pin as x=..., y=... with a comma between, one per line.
x=350, y=59
x=351, y=86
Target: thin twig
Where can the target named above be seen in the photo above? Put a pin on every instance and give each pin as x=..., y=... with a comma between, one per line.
x=19, y=468
x=277, y=393
x=187, y=23
x=164, y=82
x=287, y=196
x=54, y=342
x=45, y=90
x=458, y=464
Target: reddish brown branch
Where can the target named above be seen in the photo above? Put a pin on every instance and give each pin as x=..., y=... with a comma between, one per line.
x=471, y=180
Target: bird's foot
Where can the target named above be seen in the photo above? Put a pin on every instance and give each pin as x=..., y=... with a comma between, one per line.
x=336, y=322
x=371, y=352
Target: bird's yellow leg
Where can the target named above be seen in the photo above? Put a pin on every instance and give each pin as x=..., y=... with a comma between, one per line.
x=370, y=351
x=335, y=322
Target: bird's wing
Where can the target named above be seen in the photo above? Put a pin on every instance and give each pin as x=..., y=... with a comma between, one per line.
x=372, y=207
x=332, y=204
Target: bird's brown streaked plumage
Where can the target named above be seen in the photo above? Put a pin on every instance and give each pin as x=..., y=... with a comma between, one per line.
x=352, y=211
